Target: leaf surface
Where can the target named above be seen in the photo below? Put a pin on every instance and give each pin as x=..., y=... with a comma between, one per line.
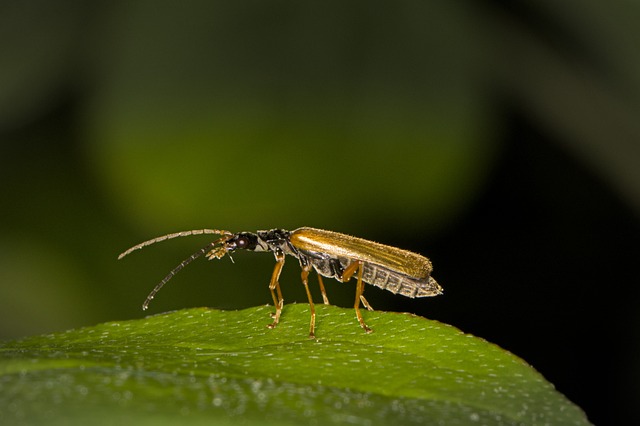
x=206, y=366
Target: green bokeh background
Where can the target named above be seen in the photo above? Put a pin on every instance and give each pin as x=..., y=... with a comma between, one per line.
x=501, y=140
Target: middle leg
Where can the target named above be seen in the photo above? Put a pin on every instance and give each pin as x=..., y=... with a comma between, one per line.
x=305, y=281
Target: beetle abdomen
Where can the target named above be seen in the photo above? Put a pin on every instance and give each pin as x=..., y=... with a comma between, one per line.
x=376, y=275
x=399, y=283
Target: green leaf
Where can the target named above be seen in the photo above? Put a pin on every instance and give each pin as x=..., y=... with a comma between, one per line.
x=205, y=366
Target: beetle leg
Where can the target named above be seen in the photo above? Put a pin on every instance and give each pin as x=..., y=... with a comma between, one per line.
x=350, y=270
x=322, y=290
x=305, y=281
x=359, y=291
x=365, y=303
x=274, y=287
x=357, y=265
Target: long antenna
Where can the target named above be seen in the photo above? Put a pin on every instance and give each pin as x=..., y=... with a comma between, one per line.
x=177, y=269
x=174, y=235
x=185, y=262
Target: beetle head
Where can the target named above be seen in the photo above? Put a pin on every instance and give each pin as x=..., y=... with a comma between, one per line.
x=240, y=241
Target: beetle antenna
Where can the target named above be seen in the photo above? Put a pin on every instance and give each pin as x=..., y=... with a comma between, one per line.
x=177, y=269
x=174, y=235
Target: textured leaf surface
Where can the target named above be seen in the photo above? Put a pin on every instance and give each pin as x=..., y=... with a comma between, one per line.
x=205, y=366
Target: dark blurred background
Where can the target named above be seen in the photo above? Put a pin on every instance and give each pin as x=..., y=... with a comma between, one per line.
x=499, y=139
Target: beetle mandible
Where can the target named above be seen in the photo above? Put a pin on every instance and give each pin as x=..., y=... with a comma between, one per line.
x=331, y=254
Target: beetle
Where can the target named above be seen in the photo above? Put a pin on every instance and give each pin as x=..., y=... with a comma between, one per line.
x=331, y=254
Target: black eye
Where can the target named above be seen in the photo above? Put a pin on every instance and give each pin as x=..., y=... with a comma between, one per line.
x=242, y=242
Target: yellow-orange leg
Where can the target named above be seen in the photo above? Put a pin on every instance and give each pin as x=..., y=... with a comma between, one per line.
x=346, y=276
x=305, y=281
x=274, y=287
x=323, y=291
x=365, y=303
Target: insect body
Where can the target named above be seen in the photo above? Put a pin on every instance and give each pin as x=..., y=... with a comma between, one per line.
x=331, y=254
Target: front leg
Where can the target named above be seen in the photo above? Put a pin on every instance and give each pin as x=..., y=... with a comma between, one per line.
x=274, y=287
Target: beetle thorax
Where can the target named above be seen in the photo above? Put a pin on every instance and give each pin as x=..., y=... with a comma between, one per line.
x=276, y=239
